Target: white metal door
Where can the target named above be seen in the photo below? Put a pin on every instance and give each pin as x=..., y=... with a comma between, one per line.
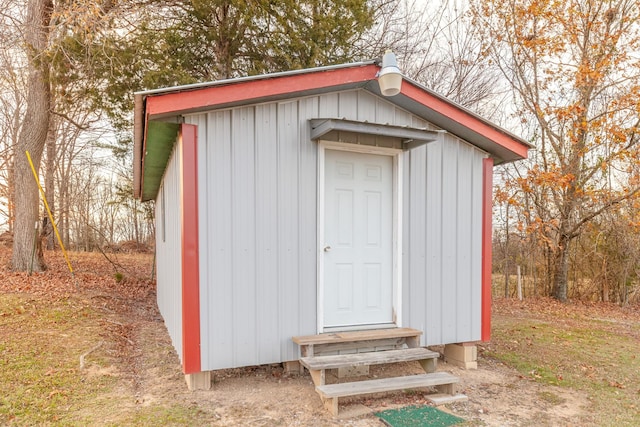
x=358, y=239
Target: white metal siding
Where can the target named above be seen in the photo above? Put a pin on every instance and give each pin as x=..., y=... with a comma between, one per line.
x=442, y=241
x=168, y=249
x=257, y=222
x=257, y=203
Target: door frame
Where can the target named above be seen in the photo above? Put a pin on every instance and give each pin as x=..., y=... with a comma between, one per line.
x=397, y=174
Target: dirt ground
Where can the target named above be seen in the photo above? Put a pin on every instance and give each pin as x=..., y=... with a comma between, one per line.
x=267, y=396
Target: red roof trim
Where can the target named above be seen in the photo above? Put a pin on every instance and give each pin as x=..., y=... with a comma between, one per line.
x=191, y=358
x=463, y=117
x=487, y=215
x=228, y=93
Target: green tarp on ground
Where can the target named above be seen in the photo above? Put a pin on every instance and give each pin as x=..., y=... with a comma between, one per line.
x=418, y=416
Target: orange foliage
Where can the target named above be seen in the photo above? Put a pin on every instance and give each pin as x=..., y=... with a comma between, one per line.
x=572, y=65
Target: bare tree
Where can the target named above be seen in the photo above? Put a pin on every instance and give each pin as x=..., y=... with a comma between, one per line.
x=12, y=100
x=437, y=46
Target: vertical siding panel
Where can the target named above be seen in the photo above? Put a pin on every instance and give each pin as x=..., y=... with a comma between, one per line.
x=384, y=111
x=420, y=123
x=407, y=284
x=417, y=248
x=433, y=219
x=328, y=105
x=366, y=106
x=348, y=105
x=168, y=258
x=307, y=212
x=366, y=112
x=401, y=117
x=220, y=278
x=267, y=330
x=464, y=241
x=288, y=224
x=449, y=241
x=243, y=232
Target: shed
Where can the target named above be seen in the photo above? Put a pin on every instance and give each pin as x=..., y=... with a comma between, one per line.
x=305, y=202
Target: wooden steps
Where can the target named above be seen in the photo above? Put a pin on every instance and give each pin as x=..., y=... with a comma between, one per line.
x=367, y=359
x=330, y=351
x=353, y=336
x=443, y=398
x=386, y=384
x=355, y=341
x=331, y=392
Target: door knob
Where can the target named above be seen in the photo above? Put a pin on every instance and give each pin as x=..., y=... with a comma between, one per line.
x=327, y=248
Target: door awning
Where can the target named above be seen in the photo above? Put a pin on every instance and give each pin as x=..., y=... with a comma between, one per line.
x=375, y=134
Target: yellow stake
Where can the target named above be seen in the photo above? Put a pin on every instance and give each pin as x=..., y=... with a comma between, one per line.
x=46, y=205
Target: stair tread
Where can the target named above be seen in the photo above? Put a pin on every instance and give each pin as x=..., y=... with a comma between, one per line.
x=352, y=336
x=443, y=399
x=385, y=384
x=368, y=358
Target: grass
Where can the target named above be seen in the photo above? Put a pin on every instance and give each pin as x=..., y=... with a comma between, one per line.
x=175, y=415
x=40, y=344
x=598, y=358
x=40, y=377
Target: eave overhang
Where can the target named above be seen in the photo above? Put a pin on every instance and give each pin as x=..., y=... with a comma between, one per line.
x=161, y=136
x=502, y=145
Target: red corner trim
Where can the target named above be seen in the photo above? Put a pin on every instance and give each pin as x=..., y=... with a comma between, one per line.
x=487, y=216
x=190, y=266
x=464, y=118
x=241, y=91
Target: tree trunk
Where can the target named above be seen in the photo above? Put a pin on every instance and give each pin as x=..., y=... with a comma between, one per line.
x=87, y=227
x=561, y=271
x=518, y=272
x=32, y=138
x=64, y=189
x=605, y=288
x=11, y=184
x=65, y=195
x=136, y=225
x=506, y=255
x=549, y=272
x=49, y=182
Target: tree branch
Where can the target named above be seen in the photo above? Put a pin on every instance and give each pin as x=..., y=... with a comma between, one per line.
x=70, y=120
x=575, y=231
